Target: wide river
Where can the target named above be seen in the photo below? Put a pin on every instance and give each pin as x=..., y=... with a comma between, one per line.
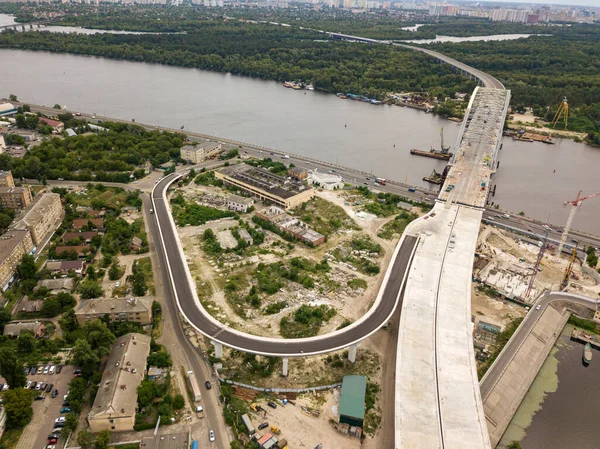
x=354, y=134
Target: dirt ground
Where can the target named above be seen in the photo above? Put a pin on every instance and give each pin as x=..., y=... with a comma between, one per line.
x=126, y=261
x=303, y=430
x=493, y=311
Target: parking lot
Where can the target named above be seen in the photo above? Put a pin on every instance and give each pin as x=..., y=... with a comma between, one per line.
x=45, y=411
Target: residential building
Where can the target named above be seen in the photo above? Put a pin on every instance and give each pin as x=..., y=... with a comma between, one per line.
x=328, y=181
x=85, y=236
x=2, y=143
x=57, y=285
x=154, y=373
x=198, y=153
x=239, y=203
x=15, y=329
x=292, y=225
x=80, y=223
x=2, y=420
x=180, y=440
x=116, y=401
x=265, y=185
x=43, y=218
x=57, y=127
x=6, y=179
x=64, y=266
x=136, y=310
x=298, y=173
x=26, y=305
x=80, y=250
x=15, y=197
x=13, y=245
x=352, y=400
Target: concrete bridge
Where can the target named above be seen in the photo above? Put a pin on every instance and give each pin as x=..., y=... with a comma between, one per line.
x=23, y=26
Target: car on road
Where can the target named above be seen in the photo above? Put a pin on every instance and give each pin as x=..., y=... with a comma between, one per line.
x=538, y=307
x=272, y=404
x=207, y=385
x=65, y=410
x=263, y=426
x=319, y=446
x=49, y=388
x=54, y=393
x=211, y=435
x=366, y=183
x=368, y=179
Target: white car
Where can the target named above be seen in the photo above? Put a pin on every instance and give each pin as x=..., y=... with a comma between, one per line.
x=538, y=307
x=28, y=386
x=211, y=435
x=52, y=369
x=46, y=369
x=61, y=419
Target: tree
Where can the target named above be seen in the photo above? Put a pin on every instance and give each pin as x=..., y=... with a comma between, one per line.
x=68, y=322
x=103, y=439
x=178, y=402
x=85, y=357
x=71, y=422
x=26, y=269
x=4, y=318
x=57, y=106
x=114, y=271
x=91, y=273
x=25, y=343
x=98, y=336
x=17, y=404
x=90, y=289
x=12, y=97
x=12, y=369
x=85, y=439
x=514, y=445
x=146, y=393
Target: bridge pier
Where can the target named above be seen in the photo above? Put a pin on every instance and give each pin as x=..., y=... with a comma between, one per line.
x=23, y=27
x=352, y=353
x=218, y=349
x=284, y=371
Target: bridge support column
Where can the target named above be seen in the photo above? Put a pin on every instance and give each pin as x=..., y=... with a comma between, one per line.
x=352, y=352
x=218, y=349
x=284, y=371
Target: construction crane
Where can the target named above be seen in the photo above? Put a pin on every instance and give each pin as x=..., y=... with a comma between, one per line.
x=444, y=149
x=575, y=204
x=569, y=269
x=562, y=111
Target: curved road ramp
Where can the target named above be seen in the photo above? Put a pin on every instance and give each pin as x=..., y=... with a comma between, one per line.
x=438, y=401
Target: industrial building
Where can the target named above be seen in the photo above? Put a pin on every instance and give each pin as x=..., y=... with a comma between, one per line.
x=116, y=401
x=13, y=245
x=352, y=400
x=265, y=185
x=200, y=152
x=328, y=181
x=239, y=203
x=298, y=173
x=292, y=225
x=43, y=218
x=136, y=310
x=7, y=109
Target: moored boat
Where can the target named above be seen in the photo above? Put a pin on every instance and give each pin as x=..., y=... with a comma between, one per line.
x=587, y=354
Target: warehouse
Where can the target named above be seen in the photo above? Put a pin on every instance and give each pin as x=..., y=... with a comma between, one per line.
x=7, y=109
x=352, y=400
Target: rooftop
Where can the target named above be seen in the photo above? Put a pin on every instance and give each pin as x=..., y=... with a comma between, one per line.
x=114, y=305
x=57, y=284
x=124, y=372
x=38, y=211
x=69, y=236
x=5, y=189
x=264, y=180
x=65, y=265
x=50, y=122
x=14, y=329
x=352, y=397
x=240, y=199
x=9, y=241
x=179, y=440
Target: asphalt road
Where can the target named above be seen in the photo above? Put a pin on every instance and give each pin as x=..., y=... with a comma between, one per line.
x=505, y=357
x=272, y=347
x=174, y=336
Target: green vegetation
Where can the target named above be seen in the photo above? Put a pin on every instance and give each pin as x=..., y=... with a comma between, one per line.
x=307, y=321
x=357, y=283
x=275, y=308
x=355, y=252
x=396, y=227
x=325, y=217
x=208, y=179
x=501, y=341
x=195, y=214
x=592, y=258
x=108, y=156
x=155, y=399
x=587, y=325
x=17, y=404
x=276, y=167
x=488, y=290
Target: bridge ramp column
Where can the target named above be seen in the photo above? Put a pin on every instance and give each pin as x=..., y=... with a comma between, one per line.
x=352, y=352
x=284, y=371
x=218, y=349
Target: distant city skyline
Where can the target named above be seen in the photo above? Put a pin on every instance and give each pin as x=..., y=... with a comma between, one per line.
x=593, y=3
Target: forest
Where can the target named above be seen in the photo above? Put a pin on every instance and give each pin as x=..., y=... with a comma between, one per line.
x=112, y=155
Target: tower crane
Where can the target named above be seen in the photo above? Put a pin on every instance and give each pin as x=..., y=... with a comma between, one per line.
x=575, y=204
x=562, y=111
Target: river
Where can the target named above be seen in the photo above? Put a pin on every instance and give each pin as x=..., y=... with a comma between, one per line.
x=355, y=134
x=561, y=408
x=492, y=37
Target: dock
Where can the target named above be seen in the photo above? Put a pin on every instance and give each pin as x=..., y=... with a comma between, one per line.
x=585, y=337
x=538, y=138
x=432, y=154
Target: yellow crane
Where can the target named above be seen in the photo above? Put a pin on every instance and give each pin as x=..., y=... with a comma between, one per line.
x=562, y=112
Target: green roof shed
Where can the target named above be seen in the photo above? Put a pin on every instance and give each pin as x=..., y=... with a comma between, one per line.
x=352, y=400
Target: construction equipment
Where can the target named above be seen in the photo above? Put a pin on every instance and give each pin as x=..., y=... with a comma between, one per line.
x=562, y=111
x=575, y=204
x=443, y=148
x=569, y=269
x=275, y=430
x=536, y=266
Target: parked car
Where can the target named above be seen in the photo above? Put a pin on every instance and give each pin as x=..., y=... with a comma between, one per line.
x=53, y=436
x=211, y=435
x=263, y=425
x=57, y=431
x=39, y=398
x=27, y=370
x=52, y=369
x=49, y=388
x=65, y=410
x=65, y=403
x=61, y=419
x=77, y=371
x=46, y=369
x=207, y=385
x=59, y=369
x=59, y=424
x=5, y=387
x=33, y=370
x=54, y=393
x=1, y=387
x=38, y=386
x=43, y=386
x=33, y=385
x=272, y=404
x=28, y=384
x=53, y=441
x=50, y=446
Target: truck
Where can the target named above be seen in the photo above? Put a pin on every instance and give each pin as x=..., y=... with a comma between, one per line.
x=380, y=181
x=194, y=387
x=248, y=424
x=199, y=411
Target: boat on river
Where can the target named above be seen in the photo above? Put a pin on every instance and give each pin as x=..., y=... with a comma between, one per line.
x=587, y=354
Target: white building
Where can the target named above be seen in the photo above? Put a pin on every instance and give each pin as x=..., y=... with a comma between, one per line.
x=239, y=203
x=199, y=153
x=328, y=181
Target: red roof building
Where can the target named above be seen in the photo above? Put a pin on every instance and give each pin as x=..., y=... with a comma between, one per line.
x=57, y=126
